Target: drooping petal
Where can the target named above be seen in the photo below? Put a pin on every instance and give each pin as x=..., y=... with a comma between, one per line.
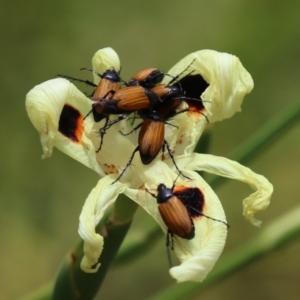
x=100, y=198
x=198, y=255
x=228, y=81
x=57, y=109
x=103, y=60
x=256, y=202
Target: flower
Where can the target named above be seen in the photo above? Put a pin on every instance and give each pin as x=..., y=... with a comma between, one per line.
x=57, y=110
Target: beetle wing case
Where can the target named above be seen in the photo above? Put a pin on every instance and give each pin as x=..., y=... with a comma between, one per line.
x=176, y=218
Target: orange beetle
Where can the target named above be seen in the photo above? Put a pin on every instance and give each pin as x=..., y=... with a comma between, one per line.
x=178, y=206
x=109, y=84
x=135, y=98
x=151, y=140
x=174, y=213
x=147, y=78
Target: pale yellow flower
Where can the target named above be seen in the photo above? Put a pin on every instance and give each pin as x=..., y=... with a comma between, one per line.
x=57, y=109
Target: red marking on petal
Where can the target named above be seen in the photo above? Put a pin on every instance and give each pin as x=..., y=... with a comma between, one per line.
x=193, y=87
x=71, y=123
x=110, y=169
x=192, y=198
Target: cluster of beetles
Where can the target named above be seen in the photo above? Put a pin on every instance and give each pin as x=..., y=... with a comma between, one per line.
x=155, y=103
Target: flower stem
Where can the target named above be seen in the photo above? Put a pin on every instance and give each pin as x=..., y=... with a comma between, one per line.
x=72, y=283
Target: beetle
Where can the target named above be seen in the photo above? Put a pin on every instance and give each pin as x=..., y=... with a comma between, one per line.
x=144, y=95
x=123, y=102
x=147, y=78
x=177, y=207
x=174, y=213
x=109, y=84
x=151, y=140
x=150, y=77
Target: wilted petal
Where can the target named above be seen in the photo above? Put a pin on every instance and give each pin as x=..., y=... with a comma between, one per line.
x=103, y=60
x=256, y=202
x=228, y=81
x=57, y=108
x=199, y=255
x=99, y=199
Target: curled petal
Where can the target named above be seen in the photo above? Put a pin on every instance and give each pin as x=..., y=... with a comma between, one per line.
x=228, y=81
x=103, y=60
x=198, y=255
x=256, y=202
x=99, y=199
x=56, y=109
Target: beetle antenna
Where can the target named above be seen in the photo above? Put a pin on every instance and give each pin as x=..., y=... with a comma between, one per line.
x=79, y=80
x=178, y=75
x=93, y=71
x=153, y=195
x=173, y=186
x=209, y=217
x=123, y=81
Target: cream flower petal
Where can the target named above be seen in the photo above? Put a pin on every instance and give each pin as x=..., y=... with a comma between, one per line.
x=100, y=198
x=197, y=256
x=256, y=202
x=52, y=107
x=224, y=85
x=228, y=81
x=103, y=60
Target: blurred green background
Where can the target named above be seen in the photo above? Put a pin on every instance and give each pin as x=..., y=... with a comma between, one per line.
x=41, y=200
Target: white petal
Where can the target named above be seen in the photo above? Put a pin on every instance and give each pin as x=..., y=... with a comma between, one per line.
x=45, y=103
x=99, y=199
x=228, y=81
x=103, y=60
x=256, y=202
x=199, y=255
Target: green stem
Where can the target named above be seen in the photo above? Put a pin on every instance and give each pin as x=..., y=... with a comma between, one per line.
x=277, y=234
x=72, y=283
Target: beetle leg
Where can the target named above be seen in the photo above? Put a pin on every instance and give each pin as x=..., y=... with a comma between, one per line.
x=106, y=126
x=201, y=214
x=134, y=129
x=76, y=79
x=169, y=245
x=112, y=92
x=172, y=157
x=102, y=132
x=128, y=164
